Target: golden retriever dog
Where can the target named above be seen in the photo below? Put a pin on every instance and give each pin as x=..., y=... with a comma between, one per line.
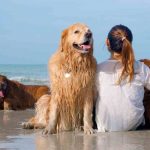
x=16, y=96
x=72, y=74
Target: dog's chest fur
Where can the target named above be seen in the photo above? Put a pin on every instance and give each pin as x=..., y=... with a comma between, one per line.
x=73, y=85
x=77, y=77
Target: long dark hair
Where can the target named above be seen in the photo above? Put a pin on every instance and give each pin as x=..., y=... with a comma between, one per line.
x=120, y=38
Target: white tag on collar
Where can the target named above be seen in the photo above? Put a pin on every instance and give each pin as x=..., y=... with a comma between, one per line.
x=67, y=75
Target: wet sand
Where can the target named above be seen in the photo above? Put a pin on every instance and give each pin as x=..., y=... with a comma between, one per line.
x=14, y=138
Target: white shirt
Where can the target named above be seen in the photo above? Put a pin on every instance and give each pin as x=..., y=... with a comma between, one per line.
x=119, y=107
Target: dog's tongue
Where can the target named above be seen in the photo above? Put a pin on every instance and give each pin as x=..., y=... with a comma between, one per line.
x=86, y=47
x=1, y=94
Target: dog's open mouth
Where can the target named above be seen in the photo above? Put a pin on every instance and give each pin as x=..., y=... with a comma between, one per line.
x=84, y=47
x=1, y=94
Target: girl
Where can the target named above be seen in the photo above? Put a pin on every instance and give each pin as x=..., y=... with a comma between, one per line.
x=120, y=83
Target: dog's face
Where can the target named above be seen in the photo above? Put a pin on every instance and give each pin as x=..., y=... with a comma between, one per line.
x=77, y=38
x=3, y=86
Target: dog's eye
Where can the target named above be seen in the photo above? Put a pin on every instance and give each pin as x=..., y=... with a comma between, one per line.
x=76, y=32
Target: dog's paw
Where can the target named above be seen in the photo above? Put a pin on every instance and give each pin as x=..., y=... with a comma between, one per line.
x=49, y=131
x=88, y=130
x=27, y=125
x=39, y=126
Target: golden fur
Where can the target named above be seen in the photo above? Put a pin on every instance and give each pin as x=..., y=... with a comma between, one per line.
x=17, y=96
x=72, y=76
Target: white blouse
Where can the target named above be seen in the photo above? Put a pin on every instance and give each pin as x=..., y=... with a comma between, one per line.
x=119, y=107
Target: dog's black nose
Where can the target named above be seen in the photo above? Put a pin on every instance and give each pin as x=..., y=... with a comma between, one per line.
x=88, y=34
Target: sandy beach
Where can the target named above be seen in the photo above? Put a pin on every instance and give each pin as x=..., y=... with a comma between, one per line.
x=13, y=137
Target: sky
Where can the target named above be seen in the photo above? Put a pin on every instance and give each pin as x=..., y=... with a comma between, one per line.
x=30, y=29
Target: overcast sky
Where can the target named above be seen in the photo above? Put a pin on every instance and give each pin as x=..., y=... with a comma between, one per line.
x=30, y=29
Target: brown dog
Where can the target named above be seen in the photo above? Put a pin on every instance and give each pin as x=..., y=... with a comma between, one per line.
x=147, y=99
x=72, y=70
x=146, y=62
x=16, y=96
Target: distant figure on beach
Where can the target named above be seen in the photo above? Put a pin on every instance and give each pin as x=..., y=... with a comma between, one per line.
x=120, y=83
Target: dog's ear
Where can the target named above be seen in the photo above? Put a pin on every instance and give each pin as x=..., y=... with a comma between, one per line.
x=63, y=39
x=146, y=62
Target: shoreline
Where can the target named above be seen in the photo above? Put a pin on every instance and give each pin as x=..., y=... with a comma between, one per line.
x=12, y=136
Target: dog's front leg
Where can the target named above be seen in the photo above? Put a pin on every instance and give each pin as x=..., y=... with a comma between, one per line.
x=88, y=108
x=53, y=115
x=8, y=105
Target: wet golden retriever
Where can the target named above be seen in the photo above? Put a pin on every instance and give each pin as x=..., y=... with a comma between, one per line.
x=72, y=74
x=16, y=96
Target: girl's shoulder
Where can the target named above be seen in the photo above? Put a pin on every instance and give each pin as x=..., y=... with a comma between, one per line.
x=111, y=65
x=107, y=65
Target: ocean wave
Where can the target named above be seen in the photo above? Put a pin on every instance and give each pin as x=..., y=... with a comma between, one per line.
x=29, y=80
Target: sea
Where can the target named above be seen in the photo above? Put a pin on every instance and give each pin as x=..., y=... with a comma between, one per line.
x=26, y=74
